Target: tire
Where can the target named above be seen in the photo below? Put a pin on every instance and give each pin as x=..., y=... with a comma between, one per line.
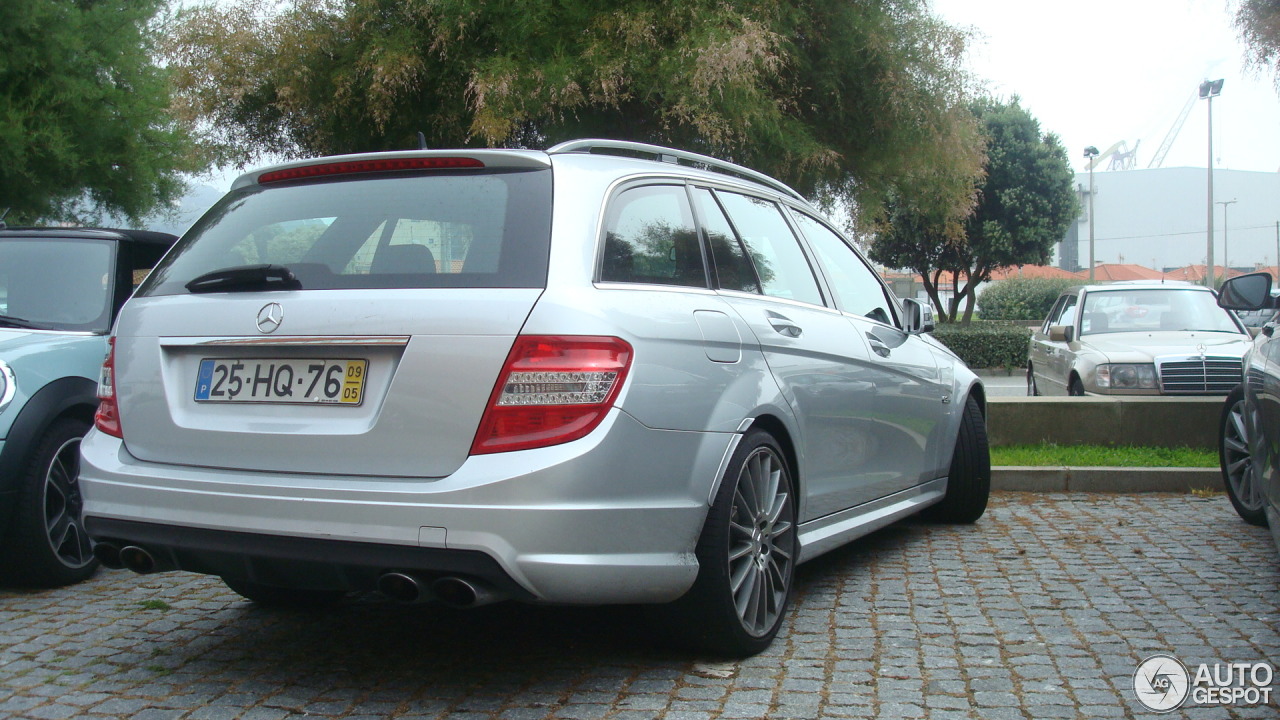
x=969, y=479
x=283, y=597
x=1076, y=388
x=1032, y=389
x=47, y=544
x=1236, y=460
x=746, y=556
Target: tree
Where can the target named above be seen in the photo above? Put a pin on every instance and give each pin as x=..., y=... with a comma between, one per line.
x=841, y=100
x=84, y=127
x=1024, y=204
x=1258, y=22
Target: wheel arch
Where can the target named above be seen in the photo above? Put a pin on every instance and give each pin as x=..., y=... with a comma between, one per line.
x=75, y=397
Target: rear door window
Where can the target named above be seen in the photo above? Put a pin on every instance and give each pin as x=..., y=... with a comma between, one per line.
x=459, y=229
x=650, y=238
x=780, y=264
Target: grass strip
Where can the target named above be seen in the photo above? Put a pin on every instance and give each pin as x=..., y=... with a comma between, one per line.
x=1052, y=455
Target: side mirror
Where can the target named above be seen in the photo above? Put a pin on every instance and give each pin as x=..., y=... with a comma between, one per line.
x=1062, y=333
x=1247, y=292
x=917, y=316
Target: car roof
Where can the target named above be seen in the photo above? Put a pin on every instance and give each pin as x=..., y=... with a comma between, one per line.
x=143, y=237
x=1139, y=285
x=627, y=155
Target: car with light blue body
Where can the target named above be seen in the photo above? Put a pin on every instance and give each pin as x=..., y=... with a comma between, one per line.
x=60, y=290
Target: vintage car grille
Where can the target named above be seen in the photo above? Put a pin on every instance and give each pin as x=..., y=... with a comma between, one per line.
x=1197, y=376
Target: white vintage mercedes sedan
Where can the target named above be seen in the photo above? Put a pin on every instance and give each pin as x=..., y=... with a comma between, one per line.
x=1137, y=339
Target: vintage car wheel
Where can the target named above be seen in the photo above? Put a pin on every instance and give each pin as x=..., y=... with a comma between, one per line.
x=48, y=546
x=1032, y=389
x=746, y=555
x=969, y=480
x=1076, y=388
x=1236, y=460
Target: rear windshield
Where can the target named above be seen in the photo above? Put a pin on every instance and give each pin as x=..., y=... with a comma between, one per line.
x=456, y=229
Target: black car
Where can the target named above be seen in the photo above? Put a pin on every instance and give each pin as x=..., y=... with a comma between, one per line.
x=1249, y=437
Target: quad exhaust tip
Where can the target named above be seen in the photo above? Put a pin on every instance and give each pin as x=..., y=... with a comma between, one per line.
x=455, y=592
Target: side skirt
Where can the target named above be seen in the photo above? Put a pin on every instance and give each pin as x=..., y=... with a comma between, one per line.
x=830, y=532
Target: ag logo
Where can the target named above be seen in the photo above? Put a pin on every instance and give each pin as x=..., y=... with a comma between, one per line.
x=1161, y=683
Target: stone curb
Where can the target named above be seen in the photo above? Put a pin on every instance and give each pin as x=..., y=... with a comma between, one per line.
x=1104, y=479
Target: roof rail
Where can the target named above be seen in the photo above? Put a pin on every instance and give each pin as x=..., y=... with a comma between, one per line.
x=671, y=155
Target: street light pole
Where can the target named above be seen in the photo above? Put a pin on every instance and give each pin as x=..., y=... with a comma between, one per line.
x=1226, y=264
x=1209, y=89
x=1089, y=154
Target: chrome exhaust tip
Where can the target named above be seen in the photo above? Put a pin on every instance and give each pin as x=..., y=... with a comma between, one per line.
x=108, y=554
x=460, y=593
x=403, y=588
x=137, y=559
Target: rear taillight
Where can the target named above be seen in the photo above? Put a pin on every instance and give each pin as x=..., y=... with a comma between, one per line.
x=107, y=419
x=371, y=165
x=552, y=389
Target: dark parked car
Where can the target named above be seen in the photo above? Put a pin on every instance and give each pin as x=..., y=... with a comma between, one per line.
x=60, y=290
x=1249, y=437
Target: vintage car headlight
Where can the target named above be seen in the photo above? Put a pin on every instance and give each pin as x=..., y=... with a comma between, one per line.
x=1127, y=377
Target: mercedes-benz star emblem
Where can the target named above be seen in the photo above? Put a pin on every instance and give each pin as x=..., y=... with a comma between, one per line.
x=270, y=317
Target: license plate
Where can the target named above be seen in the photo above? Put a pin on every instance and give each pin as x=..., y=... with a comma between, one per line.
x=276, y=380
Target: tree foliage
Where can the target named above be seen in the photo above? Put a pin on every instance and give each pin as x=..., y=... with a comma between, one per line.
x=1258, y=22
x=1025, y=203
x=84, y=124
x=841, y=100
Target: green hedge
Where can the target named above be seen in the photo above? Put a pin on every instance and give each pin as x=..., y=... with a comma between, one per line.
x=987, y=344
x=1022, y=299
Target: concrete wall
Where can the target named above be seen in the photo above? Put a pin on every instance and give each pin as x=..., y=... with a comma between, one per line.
x=1150, y=421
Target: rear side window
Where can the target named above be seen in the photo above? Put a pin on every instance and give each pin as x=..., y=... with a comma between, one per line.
x=457, y=229
x=780, y=263
x=650, y=238
x=733, y=267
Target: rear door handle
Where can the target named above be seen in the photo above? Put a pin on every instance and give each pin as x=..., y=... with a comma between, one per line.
x=784, y=326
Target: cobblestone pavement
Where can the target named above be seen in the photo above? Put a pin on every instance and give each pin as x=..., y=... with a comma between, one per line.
x=1041, y=610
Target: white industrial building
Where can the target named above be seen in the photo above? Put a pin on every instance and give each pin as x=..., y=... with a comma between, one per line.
x=1159, y=217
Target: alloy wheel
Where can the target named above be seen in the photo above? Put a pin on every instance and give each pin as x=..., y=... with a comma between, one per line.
x=761, y=541
x=1238, y=460
x=62, y=505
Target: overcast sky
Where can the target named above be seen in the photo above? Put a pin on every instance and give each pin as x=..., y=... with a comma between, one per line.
x=1100, y=71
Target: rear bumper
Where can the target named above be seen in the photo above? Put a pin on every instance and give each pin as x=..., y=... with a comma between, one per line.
x=611, y=518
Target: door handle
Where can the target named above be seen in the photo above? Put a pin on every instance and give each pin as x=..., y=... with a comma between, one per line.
x=784, y=326
x=877, y=346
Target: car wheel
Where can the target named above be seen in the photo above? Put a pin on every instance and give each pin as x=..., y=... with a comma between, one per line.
x=48, y=546
x=746, y=557
x=969, y=479
x=283, y=597
x=1236, y=460
x=1076, y=388
x=1032, y=389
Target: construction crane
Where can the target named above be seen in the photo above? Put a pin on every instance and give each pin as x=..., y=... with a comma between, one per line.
x=1157, y=160
x=1122, y=157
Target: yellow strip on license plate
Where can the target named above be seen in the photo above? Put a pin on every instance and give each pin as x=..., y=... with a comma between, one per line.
x=303, y=381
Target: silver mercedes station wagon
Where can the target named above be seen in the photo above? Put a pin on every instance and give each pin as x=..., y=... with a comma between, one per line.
x=603, y=373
